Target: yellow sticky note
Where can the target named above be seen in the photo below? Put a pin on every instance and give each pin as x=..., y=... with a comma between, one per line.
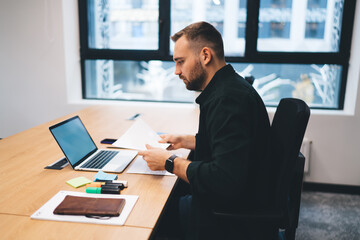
x=78, y=182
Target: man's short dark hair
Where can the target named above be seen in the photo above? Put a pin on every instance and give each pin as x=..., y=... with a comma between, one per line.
x=200, y=35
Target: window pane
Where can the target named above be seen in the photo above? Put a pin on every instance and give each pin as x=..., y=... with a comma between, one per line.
x=123, y=24
x=300, y=25
x=317, y=85
x=134, y=80
x=230, y=21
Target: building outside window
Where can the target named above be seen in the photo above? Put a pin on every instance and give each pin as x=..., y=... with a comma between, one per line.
x=293, y=48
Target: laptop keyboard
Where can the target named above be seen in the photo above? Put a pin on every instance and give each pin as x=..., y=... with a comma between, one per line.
x=100, y=159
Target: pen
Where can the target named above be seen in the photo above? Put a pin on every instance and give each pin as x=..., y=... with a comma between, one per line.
x=134, y=116
x=95, y=184
x=114, y=185
x=103, y=190
x=125, y=183
x=106, y=184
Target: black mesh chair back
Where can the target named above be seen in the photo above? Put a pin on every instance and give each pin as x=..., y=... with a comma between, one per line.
x=287, y=133
x=286, y=175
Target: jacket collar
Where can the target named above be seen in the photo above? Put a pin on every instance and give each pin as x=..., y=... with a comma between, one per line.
x=222, y=72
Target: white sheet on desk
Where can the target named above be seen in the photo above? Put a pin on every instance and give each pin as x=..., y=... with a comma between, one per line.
x=46, y=211
x=140, y=166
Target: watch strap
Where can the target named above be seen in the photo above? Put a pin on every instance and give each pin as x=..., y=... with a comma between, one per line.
x=172, y=157
x=169, y=164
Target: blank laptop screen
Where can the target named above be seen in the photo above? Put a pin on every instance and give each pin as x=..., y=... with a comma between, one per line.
x=73, y=139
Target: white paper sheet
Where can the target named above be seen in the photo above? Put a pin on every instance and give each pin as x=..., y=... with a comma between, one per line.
x=46, y=211
x=140, y=166
x=138, y=135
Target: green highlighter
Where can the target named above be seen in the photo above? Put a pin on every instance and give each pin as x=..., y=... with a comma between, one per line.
x=103, y=190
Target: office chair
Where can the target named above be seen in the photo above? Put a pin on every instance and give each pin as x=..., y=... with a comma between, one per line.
x=250, y=79
x=287, y=168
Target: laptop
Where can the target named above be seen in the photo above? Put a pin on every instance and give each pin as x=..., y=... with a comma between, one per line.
x=81, y=151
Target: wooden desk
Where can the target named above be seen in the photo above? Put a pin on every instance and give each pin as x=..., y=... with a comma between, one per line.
x=22, y=227
x=26, y=185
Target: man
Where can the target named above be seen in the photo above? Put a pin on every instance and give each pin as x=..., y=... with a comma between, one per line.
x=230, y=156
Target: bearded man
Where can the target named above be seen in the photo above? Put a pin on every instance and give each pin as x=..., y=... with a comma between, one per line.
x=230, y=148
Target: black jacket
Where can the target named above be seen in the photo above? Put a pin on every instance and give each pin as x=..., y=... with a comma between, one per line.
x=230, y=162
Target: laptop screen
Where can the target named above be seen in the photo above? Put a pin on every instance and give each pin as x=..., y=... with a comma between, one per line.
x=73, y=139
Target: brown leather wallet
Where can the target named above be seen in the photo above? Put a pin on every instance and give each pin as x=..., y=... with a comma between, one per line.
x=87, y=206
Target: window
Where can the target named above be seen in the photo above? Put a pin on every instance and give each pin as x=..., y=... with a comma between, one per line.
x=293, y=48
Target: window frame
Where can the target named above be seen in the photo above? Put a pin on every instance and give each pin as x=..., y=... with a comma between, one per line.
x=252, y=55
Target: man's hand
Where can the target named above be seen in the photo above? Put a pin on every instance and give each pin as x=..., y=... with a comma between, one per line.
x=155, y=157
x=178, y=141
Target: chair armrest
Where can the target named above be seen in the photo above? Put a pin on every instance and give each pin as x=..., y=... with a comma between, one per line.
x=279, y=217
x=286, y=218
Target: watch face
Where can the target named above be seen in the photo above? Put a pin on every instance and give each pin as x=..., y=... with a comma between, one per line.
x=169, y=165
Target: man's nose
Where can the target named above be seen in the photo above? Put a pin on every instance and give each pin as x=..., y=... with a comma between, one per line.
x=177, y=71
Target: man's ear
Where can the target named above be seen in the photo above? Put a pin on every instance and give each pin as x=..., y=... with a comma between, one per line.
x=206, y=55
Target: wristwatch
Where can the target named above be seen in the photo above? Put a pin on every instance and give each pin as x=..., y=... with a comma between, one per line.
x=169, y=164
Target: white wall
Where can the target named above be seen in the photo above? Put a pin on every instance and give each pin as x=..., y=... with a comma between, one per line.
x=40, y=81
x=32, y=64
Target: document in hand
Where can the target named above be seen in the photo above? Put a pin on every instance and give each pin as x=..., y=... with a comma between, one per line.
x=139, y=134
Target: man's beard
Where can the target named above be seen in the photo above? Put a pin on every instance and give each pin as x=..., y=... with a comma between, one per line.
x=197, y=77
